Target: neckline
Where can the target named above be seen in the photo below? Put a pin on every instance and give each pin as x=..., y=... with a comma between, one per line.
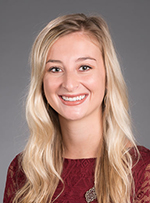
x=94, y=158
x=80, y=159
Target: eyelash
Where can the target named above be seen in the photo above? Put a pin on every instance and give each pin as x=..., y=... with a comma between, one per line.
x=85, y=66
x=57, y=69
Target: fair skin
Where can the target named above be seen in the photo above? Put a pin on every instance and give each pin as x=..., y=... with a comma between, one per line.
x=74, y=85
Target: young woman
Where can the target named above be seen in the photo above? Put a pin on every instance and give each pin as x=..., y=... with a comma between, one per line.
x=81, y=147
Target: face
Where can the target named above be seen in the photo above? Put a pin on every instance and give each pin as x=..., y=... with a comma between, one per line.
x=74, y=80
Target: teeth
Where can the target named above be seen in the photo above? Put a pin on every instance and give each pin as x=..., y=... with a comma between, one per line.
x=73, y=98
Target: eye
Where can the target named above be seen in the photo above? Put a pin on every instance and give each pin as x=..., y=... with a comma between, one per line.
x=55, y=69
x=84, y=68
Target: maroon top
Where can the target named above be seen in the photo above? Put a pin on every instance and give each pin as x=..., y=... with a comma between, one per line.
x=78, y=176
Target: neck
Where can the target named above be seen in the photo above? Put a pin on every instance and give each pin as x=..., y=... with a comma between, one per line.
x=81, y=138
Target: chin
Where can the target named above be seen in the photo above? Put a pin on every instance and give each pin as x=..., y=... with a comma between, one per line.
x=72, y=117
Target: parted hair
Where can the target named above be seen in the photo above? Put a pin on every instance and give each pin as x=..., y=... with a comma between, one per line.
x=42, y=160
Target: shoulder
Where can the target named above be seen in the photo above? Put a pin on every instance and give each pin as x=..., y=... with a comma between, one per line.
x=140, y=161
x=141, y=173
x=144, y=152
x=15, y=163
x=15, y=168
x=15, y=178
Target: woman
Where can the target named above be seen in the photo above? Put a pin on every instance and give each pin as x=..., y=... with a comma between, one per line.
x=81, y=147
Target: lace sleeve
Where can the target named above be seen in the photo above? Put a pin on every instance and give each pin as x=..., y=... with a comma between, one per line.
x=15, y=178
x=143, y=192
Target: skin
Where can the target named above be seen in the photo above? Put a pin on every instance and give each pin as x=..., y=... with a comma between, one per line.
x=75, y=69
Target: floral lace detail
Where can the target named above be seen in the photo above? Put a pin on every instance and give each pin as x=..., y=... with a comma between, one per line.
x=15, y=180
x=141, y=175
x=143, y=193
x=78, y=176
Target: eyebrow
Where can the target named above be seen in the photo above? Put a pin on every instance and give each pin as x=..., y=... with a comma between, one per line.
x=85, y=58
x=79, y=59
x=53, y=61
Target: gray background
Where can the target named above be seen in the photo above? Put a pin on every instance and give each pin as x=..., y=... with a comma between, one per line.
x=20, y=21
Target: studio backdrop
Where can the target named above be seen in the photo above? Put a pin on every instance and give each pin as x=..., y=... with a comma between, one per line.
x=20, y=22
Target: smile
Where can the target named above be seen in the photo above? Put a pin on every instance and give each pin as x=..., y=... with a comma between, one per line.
x=78, y=98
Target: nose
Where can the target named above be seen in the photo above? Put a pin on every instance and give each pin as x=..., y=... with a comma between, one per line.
x=70, y=81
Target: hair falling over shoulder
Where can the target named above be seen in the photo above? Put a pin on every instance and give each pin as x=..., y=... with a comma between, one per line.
x=42, y=158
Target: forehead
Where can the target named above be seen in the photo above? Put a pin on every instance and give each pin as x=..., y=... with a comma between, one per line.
x=75, y=42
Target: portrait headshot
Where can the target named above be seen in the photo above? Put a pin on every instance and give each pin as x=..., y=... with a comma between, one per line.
x=75, y=114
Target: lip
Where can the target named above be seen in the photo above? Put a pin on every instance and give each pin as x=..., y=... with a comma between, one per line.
x=73, y=103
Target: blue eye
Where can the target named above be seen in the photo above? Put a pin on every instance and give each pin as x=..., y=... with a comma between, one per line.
x=55, y=69
x=84, y=68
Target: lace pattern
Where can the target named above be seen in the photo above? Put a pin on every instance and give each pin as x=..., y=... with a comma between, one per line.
x=78, y=176
x=143, y=193
x=141, y=174
x=15, y=180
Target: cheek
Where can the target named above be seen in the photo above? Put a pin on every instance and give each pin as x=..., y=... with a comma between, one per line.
x=96, y=83
x=48, y=88
x=51, y=87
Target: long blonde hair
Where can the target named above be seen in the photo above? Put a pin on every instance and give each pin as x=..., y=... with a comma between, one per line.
x=42, y=158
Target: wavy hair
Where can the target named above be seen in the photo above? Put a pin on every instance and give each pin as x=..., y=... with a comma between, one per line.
x=42, y=160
